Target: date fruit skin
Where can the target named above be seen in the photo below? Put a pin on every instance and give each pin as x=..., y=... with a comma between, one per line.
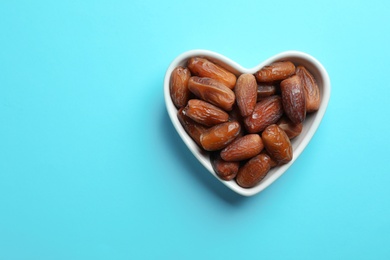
x=277, y=144
x=235, y=115
x=193, y=129
x=212, y=91
x=224, y=170
x=246, y=93
x=276, y=71
x=272, y=162
x=310, y=87
x=266, y=112
x=293, y=99
x=243, y=148
x=292, y=130
x=265, y=90
x=219, y=136
x=253, y=171
x=205, y=113
x=204, y=68
x=178, y=86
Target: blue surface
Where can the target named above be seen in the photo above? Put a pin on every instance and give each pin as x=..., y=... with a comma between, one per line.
x=90, y=165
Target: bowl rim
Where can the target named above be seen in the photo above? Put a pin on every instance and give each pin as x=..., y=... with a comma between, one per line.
x=197, y=152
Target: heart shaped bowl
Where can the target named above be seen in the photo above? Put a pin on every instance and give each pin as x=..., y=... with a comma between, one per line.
x=299, y=143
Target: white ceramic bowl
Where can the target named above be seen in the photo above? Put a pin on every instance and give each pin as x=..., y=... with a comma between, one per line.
x=299, y=143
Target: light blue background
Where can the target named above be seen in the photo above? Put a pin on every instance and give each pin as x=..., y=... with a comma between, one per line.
x=90, y=164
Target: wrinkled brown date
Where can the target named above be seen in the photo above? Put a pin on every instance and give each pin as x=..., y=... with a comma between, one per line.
x=225, y=170
x=268, y=111
x=293, y=99
x=253, y=171
x=193, y=129
x=178, y=86
x=310, y=87
x=205, y=113
x=212, y=91
x=219, y=136
x=204, y=68
x=243, y=148
x=246, y=93
x=277, y=144
x=265, y=90
x=272, y=162
x=276, y=71
x=292, y=130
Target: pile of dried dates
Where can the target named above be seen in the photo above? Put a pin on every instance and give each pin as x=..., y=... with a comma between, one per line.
x=245, y=122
